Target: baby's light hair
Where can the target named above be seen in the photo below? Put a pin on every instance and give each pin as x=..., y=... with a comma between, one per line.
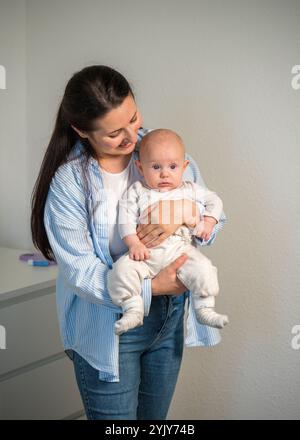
x=158, y=135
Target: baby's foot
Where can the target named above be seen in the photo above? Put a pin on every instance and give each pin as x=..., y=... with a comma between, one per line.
x=127, y=322
x=208, y=316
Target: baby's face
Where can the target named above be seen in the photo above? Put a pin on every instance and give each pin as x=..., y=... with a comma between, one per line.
x=162, y=164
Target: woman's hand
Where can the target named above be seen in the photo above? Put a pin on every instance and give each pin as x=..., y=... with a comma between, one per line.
x=166, y=281
x=162, y=219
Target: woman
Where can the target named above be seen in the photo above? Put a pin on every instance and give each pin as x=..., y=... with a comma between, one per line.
x=88, y=164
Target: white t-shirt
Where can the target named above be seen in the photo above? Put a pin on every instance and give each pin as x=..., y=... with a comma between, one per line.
x=115, y=185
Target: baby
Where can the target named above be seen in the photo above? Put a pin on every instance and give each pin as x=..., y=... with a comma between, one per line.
x=162, y=163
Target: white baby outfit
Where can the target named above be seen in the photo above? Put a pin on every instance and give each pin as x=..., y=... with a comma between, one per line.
x=197, y=273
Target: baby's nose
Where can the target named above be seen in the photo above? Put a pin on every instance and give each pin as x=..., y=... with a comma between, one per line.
x=164, y=172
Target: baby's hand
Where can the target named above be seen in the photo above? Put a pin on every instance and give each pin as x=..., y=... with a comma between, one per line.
x=139, y=252
x=205, y=227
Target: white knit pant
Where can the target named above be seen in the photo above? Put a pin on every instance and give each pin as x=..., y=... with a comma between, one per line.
x=197, y=274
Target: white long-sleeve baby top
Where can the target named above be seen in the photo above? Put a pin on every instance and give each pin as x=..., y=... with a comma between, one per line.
x=135, y=201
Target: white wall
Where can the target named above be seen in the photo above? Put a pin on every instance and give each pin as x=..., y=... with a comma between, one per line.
x=13, y=153
x=220, y=74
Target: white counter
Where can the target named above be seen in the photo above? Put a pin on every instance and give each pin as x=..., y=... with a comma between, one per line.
x=36, y=377
x=18, y=278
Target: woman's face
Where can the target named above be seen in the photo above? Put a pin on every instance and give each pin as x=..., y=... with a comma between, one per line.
x=115, y=134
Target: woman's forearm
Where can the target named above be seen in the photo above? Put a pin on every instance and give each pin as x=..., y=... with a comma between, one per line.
x=162, y=219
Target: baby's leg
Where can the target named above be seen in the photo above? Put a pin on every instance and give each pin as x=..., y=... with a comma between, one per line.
x=200, y=277
x=205, y=313
x=198, y=274
x=133, y=315
x=124, y=283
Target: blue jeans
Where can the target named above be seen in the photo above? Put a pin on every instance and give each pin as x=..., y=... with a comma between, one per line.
x=149, y=363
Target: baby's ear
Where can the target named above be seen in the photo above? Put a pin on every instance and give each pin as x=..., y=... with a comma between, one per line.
x=139, y=166
x=185, y=164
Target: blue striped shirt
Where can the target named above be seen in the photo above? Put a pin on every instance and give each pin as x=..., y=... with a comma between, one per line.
x=76, y=223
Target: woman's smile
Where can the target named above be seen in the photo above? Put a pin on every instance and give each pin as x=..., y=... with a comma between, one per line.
x=126, y=145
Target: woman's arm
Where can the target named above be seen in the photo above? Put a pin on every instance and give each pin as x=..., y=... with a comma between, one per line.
x=66, y=223
x=196, y=177
x=163, y=219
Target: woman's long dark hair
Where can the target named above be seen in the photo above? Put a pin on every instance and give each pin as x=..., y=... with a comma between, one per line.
x=90, y=94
